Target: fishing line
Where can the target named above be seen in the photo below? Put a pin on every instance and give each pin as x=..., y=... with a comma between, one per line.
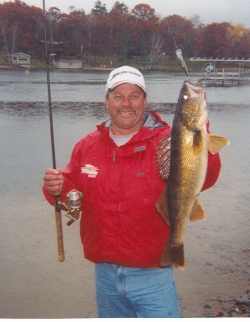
x=47, y=58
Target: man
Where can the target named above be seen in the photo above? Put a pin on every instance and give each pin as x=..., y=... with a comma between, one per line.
x=121, y=231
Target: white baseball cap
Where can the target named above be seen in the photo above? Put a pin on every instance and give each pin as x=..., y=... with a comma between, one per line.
x=125, y=74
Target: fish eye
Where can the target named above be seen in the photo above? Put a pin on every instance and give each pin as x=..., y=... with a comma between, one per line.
x=185, y=97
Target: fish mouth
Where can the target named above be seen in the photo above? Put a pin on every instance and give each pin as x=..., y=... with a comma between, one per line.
x=192, y=91
x=192, y=106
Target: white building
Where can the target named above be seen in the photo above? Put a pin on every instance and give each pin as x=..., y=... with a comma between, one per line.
x=21, y=59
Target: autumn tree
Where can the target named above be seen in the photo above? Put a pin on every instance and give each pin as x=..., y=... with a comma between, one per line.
x=144, y=23
x=120, y=9
x=73, y=33
x=240, y=40
x=120, y=31
x=118, y=34
x=177, y=32
x=19, y=27
x=143, y=12
x=216, y=40
x=99, y=9
x=243, y=47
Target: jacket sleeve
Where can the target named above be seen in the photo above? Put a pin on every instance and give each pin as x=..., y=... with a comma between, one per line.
x=213, y=170
x=71, y=176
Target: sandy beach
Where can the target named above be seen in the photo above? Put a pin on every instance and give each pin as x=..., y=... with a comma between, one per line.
x=36, y=285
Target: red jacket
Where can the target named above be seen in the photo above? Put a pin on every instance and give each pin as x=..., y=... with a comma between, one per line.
x=121, y=185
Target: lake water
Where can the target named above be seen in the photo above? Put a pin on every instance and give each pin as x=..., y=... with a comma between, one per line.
x=33, y=283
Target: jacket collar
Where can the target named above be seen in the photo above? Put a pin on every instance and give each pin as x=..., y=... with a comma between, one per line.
x=153, y=125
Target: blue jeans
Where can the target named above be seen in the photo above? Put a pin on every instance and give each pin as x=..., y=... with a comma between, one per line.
x=135, y=292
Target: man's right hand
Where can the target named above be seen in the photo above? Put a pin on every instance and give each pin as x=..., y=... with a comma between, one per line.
x=53, y=181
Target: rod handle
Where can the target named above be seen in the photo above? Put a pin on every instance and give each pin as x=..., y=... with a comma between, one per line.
x=59, y=232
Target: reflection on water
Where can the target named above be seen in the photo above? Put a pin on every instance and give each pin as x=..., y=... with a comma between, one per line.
x=40, y=109
x=95, y=109
x=90, y=87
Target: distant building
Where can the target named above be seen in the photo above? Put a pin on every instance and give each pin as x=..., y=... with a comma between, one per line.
x=21, y=59
x=68, y=63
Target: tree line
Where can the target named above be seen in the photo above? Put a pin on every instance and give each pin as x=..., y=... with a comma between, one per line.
x=119, y=33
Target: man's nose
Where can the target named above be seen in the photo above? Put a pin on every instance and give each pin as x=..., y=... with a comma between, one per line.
x=126, y=101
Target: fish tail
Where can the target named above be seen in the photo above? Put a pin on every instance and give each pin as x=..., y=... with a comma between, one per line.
x=173, y=255
x=177, y=255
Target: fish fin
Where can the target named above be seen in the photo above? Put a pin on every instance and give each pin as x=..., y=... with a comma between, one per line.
x=197, y=212
x=162, y=207
x=216, y=143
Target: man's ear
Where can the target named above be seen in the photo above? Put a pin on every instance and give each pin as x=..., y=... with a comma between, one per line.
x=106, y=105
x=106, y=102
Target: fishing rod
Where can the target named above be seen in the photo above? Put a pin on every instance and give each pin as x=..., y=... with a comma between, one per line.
x=72, y=206
x=58, y=216
x=179, y=55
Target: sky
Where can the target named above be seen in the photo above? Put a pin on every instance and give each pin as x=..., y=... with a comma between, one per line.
x=232, y=11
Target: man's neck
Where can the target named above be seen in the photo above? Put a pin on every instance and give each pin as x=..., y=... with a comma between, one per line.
x=121, y=139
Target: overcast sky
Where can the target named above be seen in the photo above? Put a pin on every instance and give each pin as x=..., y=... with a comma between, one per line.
x=233, y=11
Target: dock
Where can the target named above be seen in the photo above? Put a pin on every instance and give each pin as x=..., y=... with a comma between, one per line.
x=224, y=79
x=213, y=77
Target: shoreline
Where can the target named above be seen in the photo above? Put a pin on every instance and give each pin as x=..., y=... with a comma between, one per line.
x=244, y=76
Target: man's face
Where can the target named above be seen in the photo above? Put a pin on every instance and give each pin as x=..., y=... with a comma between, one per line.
x=126, y=105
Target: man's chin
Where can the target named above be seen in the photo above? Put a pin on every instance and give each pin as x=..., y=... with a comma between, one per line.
x=126, y=124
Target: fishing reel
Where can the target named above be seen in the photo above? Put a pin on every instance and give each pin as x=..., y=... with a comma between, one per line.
x=72, y=206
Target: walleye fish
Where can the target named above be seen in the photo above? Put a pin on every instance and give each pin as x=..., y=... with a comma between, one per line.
x=189, y=146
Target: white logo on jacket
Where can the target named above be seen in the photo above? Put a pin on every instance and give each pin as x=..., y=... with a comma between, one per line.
x=90, y=170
